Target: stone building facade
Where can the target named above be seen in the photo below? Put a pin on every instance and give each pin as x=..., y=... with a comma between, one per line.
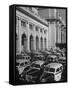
x=56, y=20
x=31, y=30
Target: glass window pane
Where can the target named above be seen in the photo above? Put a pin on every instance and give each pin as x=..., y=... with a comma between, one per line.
x=52, y=70
x=23, y=24
x=57, y=70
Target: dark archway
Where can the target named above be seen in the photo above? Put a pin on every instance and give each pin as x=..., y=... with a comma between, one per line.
x=45, y=42
x=37, y=43
x=24, y=42
x=16, y=42
x=41, y=43
x=31, y=43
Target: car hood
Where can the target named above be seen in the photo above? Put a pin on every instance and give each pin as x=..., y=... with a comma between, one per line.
x=33, y=72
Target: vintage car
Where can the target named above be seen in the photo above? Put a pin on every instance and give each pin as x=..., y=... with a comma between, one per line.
x=22, y=60
x=39, y=63
x=38, y=56
x=46, y=53
x=52, y=71
x=52, y=58
x=58, y=54
x=23, y=56
x=21, y=64
x=32, y=73
x=62, y=60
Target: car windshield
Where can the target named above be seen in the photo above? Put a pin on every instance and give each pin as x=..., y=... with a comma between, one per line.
x=17, y=64
x=52, y=58
x=35, y=65
x=33, y=71
x=22, y=64
x=26, y=62
x=50, y=69
x=47, y=69
x=23, y=57
x=27, y=68
x=27, y=57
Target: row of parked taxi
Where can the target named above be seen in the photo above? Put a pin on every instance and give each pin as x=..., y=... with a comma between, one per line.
x=39, y=67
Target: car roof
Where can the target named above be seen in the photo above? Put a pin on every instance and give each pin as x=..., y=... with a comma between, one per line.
x=48, y=52
x=58, y=53
x=38, y=55
x=54, y=65
x=64, y=58
x=39, y=62
x=52, y=56
x=22, y=61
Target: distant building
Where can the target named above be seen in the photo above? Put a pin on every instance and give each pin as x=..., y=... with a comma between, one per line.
x=39, y=28
x=56, y=19
x=31, y=30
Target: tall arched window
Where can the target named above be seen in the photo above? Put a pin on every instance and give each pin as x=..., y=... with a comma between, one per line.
x=24, y=42
x=37, y=43
x=16, y=43
x=41, y=43
x=31, y=43
x=45, y=42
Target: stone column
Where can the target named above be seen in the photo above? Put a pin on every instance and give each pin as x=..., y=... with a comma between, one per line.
x=56, y=32
x=34, y=31
x=59, y=34
x=39, y=44
x=43, y=44
x=19, y=36
x=39, y=40
x=47, y=40
x=28, y=38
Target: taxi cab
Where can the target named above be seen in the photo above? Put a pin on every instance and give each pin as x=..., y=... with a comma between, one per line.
x=54, y=69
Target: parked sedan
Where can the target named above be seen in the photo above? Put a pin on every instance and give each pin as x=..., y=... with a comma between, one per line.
x=39, y=62
x=32, y=75
x=62, y=60
x=33, y=72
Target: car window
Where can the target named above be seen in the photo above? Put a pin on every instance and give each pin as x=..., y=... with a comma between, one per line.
x=32, y=71
x=61, y=60
x=17, y=64
x=26, y=62
x=23, y=57
x=47, y=69
x=57, y=70
x=22, y=64
x=61, y=68
x=27, y=68
x=35, y=65
x=26, y=57
x=51, y=58
x=52, y=70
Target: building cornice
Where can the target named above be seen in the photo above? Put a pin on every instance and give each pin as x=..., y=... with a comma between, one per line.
x=54, y=20
x=28, y=13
